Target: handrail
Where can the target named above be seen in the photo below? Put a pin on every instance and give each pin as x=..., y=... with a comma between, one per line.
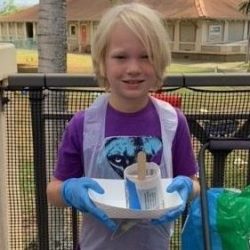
x=40, y=80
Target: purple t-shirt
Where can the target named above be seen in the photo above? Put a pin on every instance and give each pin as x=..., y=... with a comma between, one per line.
x=142, y=130
x=125, y=135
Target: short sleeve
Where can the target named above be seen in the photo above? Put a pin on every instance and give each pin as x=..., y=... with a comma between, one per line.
x=69, y=162
x=184, y=162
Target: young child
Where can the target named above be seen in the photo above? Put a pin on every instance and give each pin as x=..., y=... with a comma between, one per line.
x=130, y=54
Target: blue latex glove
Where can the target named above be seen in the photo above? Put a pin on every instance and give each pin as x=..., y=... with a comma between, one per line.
x=184, y=186
x=74, y=193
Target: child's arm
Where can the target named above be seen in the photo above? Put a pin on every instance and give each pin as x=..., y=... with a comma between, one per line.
x=196, y=186
x=73, y=192
x=54, y=193
x=188, y=188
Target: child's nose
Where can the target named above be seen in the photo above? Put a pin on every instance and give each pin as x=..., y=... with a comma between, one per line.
x=134, y=67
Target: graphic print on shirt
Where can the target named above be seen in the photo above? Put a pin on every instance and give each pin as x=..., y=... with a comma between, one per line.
x=122, y=151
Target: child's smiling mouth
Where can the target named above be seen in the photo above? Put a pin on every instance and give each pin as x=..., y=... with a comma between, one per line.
x=133, y=82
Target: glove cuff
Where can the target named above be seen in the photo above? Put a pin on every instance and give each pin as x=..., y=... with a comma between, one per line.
x=63, y=193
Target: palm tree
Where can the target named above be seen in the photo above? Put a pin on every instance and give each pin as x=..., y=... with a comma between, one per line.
x=52, y=58
x=244, y=7
x=52, y=39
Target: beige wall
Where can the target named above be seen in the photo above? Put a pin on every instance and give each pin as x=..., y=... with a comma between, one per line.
x=204, y=36
x=185, y=35
x=171, y=30
x=236, y=31
x=4, y=30
x=8, y=56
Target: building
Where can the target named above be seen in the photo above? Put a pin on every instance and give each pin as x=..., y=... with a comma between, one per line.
x=197, y=28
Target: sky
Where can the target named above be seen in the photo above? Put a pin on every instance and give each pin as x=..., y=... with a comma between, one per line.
x=25, y=2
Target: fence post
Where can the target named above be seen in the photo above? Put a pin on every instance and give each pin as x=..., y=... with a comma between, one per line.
x=4, y=226
x=36, y=98
x=8, y=56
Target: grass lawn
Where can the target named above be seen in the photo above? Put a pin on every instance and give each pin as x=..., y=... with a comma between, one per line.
x=79, y=63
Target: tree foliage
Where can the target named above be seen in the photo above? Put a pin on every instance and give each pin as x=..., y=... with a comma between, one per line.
x=244, y=7
x=8, y=7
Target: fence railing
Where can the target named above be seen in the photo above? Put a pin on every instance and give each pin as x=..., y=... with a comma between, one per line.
x=28, y=43
x=36, y=109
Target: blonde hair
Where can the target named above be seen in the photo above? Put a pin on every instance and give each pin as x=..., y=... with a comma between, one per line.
x=146, y=24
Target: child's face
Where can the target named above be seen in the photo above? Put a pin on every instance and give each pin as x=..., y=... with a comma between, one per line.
x=129, y=72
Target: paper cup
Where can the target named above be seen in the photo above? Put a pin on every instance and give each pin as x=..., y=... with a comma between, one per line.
x=143, y=194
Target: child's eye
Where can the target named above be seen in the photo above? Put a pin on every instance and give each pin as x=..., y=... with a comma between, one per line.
x=144, y=56
x=120, y=57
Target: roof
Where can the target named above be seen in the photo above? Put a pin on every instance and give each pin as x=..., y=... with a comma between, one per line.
x=28, y=15
x=170, y=9
x=196, y=9
x=87, y=9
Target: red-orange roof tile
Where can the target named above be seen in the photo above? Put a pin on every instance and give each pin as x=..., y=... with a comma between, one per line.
x=170, y=9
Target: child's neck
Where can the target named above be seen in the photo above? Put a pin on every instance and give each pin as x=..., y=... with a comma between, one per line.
x=128, y=106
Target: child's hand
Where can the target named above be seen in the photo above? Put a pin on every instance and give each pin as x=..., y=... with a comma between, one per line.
x=74, y=192
x=184, y=186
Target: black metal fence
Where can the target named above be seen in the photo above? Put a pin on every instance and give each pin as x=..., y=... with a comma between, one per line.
x=37, y=108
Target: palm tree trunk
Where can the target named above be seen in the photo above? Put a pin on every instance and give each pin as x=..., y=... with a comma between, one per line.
x=52, y=39
x=52, y=54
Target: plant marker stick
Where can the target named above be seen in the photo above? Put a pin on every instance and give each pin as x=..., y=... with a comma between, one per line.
x=141, y=164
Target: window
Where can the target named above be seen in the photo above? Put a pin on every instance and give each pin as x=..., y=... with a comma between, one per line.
x=215, y=32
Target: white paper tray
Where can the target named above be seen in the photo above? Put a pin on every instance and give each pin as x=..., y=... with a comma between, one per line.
x=113, y=201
